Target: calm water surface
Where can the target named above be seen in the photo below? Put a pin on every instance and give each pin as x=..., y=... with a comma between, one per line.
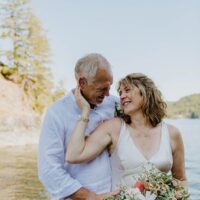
x=190, y=129
x=18, y=171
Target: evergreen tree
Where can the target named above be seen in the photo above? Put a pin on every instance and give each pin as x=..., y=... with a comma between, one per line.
x=14, y=29
x=29, y=55
x=39, y=82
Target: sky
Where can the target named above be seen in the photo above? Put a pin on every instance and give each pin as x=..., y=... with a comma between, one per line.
x=158, y=38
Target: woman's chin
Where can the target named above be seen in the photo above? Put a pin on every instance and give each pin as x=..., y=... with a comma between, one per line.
x=126, y=111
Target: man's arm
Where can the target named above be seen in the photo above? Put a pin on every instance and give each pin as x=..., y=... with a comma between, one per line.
x=52, y=173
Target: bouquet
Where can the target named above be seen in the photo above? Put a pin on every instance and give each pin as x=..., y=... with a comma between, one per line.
x=153, y=185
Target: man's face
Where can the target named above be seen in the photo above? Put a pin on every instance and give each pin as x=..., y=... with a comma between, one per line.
x=95, y=91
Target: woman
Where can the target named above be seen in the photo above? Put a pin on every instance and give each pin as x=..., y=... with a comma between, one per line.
x=138, y=139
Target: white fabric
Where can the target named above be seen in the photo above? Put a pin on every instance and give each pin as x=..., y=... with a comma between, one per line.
x=63, y=179
x=128, y=162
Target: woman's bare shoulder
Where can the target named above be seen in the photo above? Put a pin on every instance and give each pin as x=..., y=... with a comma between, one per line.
x=173, y=131
x=112, y=124
x=115, y=120
x=175, y=136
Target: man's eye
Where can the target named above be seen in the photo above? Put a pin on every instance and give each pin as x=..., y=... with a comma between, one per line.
x=100, y=90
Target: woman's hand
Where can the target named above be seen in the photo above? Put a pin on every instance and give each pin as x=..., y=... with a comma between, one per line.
x=81, y=102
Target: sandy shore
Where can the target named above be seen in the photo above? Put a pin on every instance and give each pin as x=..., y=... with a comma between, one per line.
x=20, y=137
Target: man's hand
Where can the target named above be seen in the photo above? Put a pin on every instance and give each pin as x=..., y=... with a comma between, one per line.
x=84, y=194
x=107, y=194
x=102, y=196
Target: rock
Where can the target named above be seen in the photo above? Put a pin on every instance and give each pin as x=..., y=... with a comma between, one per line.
x=15, y=112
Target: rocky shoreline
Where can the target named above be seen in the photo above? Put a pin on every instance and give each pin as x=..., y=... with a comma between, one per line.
x=19, y=124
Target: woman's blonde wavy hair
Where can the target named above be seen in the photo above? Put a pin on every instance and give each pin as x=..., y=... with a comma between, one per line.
x=153, y=108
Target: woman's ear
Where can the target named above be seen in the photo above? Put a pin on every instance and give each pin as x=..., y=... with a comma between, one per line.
x=82, y=82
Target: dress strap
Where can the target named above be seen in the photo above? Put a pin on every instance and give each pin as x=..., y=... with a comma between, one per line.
x=165, y=132
x=122, y=131
x=166, y=137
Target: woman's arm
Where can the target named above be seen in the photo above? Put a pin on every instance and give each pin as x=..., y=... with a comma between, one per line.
x=178, y=168
x=81, y=149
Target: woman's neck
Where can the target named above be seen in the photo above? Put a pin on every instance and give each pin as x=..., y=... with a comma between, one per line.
x=138, y=120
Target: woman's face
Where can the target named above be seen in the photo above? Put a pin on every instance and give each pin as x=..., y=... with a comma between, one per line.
x=130, y=98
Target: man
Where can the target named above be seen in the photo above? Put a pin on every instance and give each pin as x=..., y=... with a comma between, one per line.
x=77, y=181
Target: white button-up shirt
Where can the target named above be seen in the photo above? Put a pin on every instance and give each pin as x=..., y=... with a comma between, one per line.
x=60, y=178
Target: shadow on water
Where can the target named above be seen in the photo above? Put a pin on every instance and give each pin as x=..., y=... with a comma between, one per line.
x=18, y=174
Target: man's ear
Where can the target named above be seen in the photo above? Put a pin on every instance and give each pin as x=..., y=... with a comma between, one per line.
x=82, y=82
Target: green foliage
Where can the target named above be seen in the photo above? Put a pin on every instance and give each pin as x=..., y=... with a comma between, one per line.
x=193, y=115
x=58, y=92
x=8, y=72
x=28, y=58
x=186, y=107
x=14, y=27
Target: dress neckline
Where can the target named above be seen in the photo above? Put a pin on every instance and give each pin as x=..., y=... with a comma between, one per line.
x=139, y=151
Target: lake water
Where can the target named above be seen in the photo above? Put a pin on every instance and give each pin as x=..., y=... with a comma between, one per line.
x=190, y=129
x=18, y=171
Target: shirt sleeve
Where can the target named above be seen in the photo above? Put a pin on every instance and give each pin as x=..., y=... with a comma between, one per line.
x=51, y=159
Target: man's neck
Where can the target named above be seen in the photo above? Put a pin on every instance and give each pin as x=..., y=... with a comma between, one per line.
x=92, y=106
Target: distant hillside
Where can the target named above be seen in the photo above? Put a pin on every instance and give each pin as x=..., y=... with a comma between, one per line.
x=186, y=107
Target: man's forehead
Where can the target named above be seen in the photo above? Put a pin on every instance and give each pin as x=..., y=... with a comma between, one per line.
x=103, y=80
x=103, y=84
x=103, y=74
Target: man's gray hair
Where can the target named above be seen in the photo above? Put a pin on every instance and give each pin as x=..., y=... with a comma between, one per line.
x=87, y=66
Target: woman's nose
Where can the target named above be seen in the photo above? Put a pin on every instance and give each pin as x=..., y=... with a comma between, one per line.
x=122, y=95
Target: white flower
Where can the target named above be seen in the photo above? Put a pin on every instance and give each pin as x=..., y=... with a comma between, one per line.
x=150, y=196
x=136, y=193
x=133, y=191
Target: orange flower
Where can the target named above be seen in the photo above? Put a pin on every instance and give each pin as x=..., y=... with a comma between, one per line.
x=140, y=186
